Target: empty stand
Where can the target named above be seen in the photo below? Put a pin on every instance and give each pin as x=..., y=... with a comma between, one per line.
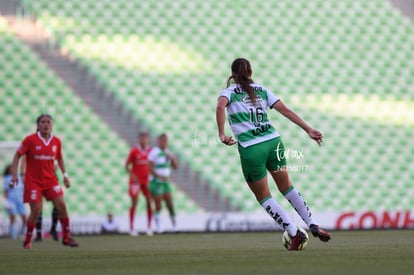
x=342, y=65
x=94, y=154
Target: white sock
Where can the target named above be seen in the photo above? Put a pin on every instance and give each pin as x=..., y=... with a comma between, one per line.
x=22, y=229
x=12, y=230
x=279, y=215
x=173, y=221
x=157, y=220
x=297, y=201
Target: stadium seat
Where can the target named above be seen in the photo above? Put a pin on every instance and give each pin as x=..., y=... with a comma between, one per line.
x=94, y=155
x=339, y=52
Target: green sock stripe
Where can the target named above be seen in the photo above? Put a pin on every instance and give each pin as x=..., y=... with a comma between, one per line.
x=287, y=191
x=265, y=199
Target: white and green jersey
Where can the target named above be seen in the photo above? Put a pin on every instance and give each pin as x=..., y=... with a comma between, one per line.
x=162, y=165
x=250, y=124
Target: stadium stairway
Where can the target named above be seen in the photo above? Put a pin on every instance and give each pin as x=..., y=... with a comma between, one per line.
x=338, y=57
x=406, y=7
x=104, y=104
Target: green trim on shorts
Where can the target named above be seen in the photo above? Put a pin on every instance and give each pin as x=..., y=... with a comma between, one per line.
x=159, y=188
x=259, y=158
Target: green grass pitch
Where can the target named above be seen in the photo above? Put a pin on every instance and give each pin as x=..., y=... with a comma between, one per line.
x=357, y=252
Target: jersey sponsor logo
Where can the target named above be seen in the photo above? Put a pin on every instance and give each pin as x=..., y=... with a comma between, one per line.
x=141, y=158
x=239, y=90
x=248, y=101
x=44, y=157
x=57, y=189
x=262, y=129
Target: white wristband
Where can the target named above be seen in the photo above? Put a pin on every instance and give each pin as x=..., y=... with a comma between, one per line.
x=65, y=175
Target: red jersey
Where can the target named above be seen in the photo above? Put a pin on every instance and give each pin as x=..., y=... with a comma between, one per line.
x=40, y=159
x=139, y=159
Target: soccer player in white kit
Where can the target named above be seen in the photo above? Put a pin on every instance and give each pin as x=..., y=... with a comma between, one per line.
x=261, y=148
x=161, y=161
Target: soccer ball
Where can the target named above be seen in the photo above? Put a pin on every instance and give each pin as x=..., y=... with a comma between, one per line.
x=286, y=239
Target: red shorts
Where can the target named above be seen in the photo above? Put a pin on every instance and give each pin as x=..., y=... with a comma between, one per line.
x=34, y=193
x=134, y=189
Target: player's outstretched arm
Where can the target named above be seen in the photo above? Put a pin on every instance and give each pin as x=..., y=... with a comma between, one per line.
x=221, y=120
x=292, y=116
x=14, y=180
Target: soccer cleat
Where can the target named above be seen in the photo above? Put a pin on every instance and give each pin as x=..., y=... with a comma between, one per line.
x=149, y=232
x=297, y=241
x=318, y=232
x=38, y=238
x=174, y=230
x=70, y=242
x=133, y=233
x=27, y=245
x=159, y=229
x=54, y=235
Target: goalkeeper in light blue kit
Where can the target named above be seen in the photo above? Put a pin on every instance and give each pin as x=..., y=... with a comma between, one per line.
x=13, y=203
x=261, y=148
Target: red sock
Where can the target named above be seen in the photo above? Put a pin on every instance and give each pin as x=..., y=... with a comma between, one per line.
x=29, y=231
x=149, y=216
x=64, y=222
x=131, y=218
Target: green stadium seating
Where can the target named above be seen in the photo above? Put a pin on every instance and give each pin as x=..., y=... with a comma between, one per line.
x=94, y=155
x=329, y=60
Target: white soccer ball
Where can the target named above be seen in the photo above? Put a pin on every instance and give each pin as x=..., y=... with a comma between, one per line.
x=286, y=239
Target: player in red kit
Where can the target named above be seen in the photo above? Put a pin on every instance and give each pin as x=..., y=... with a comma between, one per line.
x=42, y=149
x=137, y=167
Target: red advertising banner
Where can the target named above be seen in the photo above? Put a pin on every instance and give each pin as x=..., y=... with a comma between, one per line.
x=375, y=220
